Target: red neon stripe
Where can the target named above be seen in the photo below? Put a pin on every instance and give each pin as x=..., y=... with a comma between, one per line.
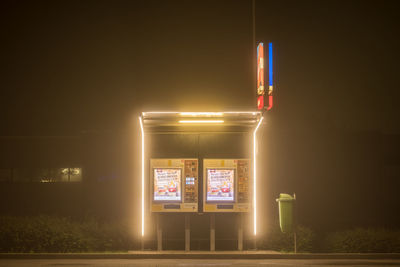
x=260, y=102
x=270, y=102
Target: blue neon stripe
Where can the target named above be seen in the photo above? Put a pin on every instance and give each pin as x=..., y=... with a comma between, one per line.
x=270, y=64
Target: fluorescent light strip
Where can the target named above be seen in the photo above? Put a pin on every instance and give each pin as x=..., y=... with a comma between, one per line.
x=255, y=175
x=201, y=113
x=142, y=132
x=201, y=121
x=159, y=112
x=243, y=112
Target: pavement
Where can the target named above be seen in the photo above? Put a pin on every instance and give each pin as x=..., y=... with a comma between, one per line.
x=190, y=255
x=197, y=259
x=196, y=262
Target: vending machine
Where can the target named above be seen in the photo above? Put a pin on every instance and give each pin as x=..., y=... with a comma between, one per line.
x=174, y=185
x=226, y=185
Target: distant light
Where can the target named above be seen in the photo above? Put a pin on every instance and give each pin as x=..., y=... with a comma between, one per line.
x=201, y=121
x=201, y=114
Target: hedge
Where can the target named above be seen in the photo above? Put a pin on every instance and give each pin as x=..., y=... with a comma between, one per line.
x=363, y=240
x=58, y=234
x=284, y=242
x=55, y=234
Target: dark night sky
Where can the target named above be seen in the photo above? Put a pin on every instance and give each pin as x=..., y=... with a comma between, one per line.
x=80, y=65
x=74, y=66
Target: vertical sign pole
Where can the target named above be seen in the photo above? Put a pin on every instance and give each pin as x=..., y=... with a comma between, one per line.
x=253, y=9
x=240, y=232
x=159, y=233
x=295, y=224
x=212, y=232
x=187, y=232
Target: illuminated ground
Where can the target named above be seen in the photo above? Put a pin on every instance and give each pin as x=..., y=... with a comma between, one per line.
x=187, y=263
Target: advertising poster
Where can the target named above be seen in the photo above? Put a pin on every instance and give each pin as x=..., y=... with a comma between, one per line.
x=167, y=184
x=220, y=185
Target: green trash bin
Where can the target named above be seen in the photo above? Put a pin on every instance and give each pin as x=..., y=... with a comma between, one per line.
x=286, y=203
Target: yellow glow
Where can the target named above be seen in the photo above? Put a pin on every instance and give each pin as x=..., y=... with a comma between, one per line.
x=142, y=133
x=201, y=121
x=211, y=121
x=201, y=113
x=255, y=175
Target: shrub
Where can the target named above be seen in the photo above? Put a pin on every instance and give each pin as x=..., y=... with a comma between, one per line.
x=107, y=236
x=363, y=240
x=55, y=234
x=284, y=242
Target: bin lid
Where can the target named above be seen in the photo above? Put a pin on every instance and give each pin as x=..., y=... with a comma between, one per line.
x=285, y=197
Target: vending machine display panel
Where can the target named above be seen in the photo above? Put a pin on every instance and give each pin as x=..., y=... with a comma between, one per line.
x=220, y=185
x=167, y=185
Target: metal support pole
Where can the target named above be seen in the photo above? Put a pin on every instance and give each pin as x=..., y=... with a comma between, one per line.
x=212, y=232
x=295, y=223
x=159, y=233
x=240, y=232
x=255, y=243
x=187, y=232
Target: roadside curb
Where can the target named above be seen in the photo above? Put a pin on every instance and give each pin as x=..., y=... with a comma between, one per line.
x=199, y=255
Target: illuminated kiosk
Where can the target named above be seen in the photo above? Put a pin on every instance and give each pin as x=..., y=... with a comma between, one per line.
x=175, y=146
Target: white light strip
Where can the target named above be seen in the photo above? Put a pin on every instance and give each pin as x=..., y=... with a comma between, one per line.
x=243, y=112
x=142, y=132
x=255, y=176
x=201, y=121
x=201, y=113
x=159, y=112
